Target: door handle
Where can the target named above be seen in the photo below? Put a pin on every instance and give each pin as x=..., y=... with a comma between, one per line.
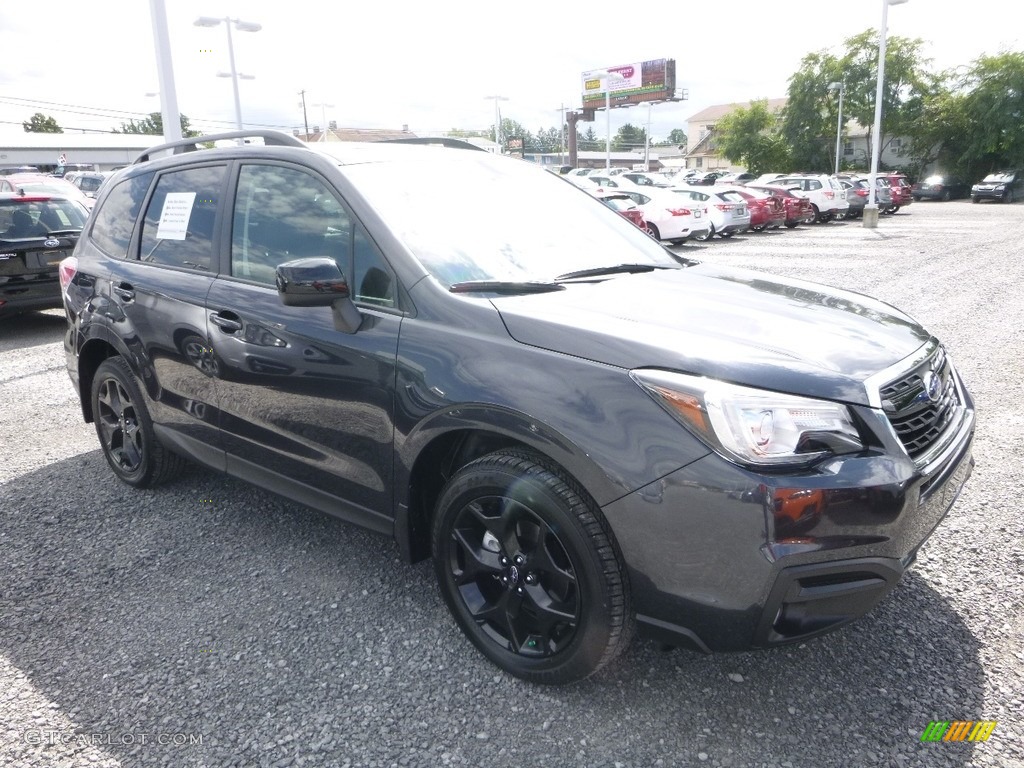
x=226, y=324
x=125, y=291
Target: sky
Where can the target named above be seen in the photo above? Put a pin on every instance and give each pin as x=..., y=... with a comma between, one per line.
x=431, y=66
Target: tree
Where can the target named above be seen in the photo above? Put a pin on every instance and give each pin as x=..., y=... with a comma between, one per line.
x=154, y=125
x=588, y=142
x=628, y=138
x=40, y=123
x=676, y=138
x=751, y=137
x=994, y=106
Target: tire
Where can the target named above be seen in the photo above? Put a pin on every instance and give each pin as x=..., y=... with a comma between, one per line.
x=125, y=428
x=792, y=224
x=1008, y=197
x=946, y=196
x=815, y=214
x=975, y=199
x=529, y=570
x=726, y=235
x=677, y=241
x=652, y=230
x=710, y=233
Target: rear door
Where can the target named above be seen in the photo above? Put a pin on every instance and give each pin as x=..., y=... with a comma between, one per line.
x=305, y=408
x=157, y=304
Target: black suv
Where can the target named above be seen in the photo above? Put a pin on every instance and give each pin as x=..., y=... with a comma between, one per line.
x=36, y=233
x=587, y=433
x=1004, y=186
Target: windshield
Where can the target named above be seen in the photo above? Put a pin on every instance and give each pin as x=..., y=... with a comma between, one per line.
x=1001, y=176
x=476, y=217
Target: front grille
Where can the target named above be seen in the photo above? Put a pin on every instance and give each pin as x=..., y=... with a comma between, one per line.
x=918, y=420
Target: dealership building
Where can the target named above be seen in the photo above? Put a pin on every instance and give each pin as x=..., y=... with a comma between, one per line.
x=46, y=151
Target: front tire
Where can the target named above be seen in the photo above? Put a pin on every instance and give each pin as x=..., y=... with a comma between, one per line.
x=528, y=568
x=707, y=235
x=125, y=429
x=1008, y=197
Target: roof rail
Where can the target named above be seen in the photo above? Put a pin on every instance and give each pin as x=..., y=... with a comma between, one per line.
x=441, y=141
x=270, y=138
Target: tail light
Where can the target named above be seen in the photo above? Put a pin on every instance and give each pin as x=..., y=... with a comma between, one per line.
x=680, y=211
x=862, y=192
x=830, y=195
x=67, y=270
x=723, y=206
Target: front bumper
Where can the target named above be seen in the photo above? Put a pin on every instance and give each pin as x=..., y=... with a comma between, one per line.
x=725, y=559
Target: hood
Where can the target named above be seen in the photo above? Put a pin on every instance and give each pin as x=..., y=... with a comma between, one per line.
x=735, y=325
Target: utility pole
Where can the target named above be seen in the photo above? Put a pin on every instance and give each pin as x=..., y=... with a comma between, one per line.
x=305, y=120
x=561, y=135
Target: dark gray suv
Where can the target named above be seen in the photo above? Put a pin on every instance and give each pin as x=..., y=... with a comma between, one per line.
x=589, y=434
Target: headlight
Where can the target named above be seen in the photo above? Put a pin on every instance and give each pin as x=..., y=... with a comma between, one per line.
x=753, y=426
x=1000, y=187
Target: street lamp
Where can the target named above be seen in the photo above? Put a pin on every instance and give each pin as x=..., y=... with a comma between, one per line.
x=608, y=77
x=497, y=120
x=241, y=26
x=871, y=209
x=839, y=123
x=323, y=119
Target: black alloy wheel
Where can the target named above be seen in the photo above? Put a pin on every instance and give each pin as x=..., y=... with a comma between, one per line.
x=125, y=428
x=528, y=569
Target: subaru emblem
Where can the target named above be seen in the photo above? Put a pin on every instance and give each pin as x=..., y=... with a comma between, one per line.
x=51, y=243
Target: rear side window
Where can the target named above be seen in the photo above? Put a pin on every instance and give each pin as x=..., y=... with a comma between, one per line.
x=114, y=222
x=732, y=197
x=179, y=227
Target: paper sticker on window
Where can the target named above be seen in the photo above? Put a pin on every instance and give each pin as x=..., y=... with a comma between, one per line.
x=175, y=215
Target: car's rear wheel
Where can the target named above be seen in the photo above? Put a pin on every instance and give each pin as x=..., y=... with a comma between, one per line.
x=792, y=224
x=125, y=429
x=815, y=214
x=652, y=230
x=528, y=568
x=706, y=235
x=946, y=196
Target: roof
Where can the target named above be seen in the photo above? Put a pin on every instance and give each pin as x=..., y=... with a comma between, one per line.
x=718, y=111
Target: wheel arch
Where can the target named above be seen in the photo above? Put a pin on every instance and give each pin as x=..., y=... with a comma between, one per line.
x=438, y=449
x=91, y=355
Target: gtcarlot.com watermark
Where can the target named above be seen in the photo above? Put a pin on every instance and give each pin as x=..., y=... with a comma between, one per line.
x=50, y=738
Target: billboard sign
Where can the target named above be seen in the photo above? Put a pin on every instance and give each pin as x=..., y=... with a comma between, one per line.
x=641, y=82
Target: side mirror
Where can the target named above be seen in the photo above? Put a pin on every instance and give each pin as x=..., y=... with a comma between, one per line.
x=318, y=282
x=311, y=283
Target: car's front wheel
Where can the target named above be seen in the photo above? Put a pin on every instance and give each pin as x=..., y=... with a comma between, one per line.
x=528, y=569
x=706, y=235
x=1008, y=197
x=125, y=428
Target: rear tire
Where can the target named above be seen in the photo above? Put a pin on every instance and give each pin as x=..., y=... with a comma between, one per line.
x=946, y=197
x=125, y=429
x=652, y=230
x=529, y=570
x=707, y=235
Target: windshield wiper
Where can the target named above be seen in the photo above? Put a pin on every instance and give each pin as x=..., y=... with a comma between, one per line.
x=615, y=270
x=505, y=286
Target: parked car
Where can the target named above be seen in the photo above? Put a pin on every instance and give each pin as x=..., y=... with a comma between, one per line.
x=586, y=432
x=642, y=179
x=858, y=191
x=826, y=195
x=1002, y=185
x=767, y=211
x=89, y=182
x=798, y=209
x=623, y=204
x=36, y=232
x=666, y=217
x=901, y=188
x=939, y=187
x=705, y=179
x=735, y=178
x=34, y=184
x=727, y=209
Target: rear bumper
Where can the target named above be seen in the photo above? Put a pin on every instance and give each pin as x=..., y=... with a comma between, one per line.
x=18, y=297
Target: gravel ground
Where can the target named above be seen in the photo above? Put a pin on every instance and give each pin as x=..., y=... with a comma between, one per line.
x=210, y=624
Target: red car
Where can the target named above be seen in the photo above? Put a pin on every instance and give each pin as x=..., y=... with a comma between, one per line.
x=798, y=209
x=766, y=210
x=622, y=204
x=902, y=190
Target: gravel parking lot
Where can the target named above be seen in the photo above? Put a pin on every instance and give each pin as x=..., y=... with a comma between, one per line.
x=209, y=624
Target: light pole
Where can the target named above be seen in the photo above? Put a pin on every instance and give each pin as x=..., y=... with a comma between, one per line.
x=871, y=209
x=608, y=77
x=497, y=120
x=561, y=135
x=165, y=72
x=839, y=123
x=647, y=139
x=323, y=119
x=241, y=26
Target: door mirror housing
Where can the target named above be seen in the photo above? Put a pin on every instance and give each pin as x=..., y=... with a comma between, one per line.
x=318, y=282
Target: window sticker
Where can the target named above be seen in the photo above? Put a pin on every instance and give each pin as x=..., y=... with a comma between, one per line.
x=175, y=215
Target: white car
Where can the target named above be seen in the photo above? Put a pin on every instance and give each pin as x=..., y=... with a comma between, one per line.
x=727, y=209
x=666, y=217
x=827, y=196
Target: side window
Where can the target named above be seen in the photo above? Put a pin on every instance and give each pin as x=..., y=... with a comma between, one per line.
x=113, y=223
x=179, y=226
x=813, y=185
x=282, y=214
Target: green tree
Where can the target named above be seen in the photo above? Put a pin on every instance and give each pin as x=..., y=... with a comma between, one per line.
x=676, y=138
x=751, y=137
x=994, y=106
x=628, y=138
x=40, y=123
x=588, y=142
x=154, y=125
